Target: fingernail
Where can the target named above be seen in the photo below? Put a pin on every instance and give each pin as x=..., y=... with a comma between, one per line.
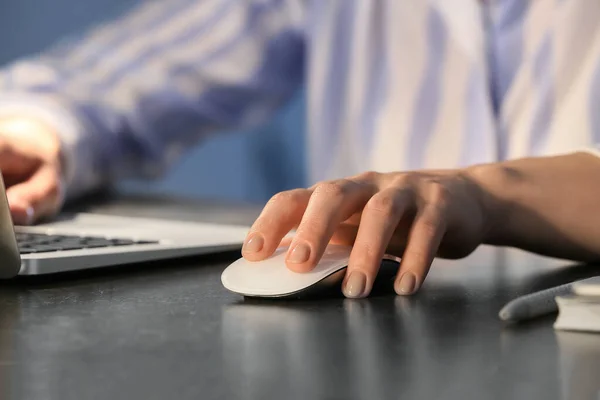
x=22, y=214
x=29, y=212
x=254, y=244
x=407, y=284
x=355, y=285
x=300, y=254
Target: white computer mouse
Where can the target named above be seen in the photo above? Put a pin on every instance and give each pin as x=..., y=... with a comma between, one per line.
x=272, y=278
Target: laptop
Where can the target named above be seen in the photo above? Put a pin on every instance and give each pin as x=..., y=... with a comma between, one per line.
x=80, y=241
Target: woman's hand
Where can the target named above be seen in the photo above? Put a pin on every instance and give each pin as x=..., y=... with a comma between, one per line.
x=414, y=215
x=30, y=160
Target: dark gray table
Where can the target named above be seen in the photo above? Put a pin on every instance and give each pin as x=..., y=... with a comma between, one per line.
x=169, y=330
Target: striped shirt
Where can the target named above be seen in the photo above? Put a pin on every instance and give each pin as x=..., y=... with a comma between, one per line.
x=391, y=85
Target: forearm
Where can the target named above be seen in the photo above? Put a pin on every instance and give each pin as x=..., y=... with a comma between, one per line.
x=547, y=205
x=189, y=68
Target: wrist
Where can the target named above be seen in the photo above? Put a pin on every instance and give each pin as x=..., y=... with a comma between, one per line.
x=498, y=185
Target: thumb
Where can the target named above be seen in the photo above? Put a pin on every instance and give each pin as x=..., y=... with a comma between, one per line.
x=39, y=196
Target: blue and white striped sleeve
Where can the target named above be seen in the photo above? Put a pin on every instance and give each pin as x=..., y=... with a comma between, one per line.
x=131, y=95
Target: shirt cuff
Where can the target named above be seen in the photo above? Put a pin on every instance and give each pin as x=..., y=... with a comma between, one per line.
x=76, y=146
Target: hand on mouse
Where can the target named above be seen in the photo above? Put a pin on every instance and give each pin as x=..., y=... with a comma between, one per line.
x=414, y=215
x=31, y=167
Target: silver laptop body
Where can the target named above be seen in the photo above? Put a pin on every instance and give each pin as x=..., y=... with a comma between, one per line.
x=83, y=241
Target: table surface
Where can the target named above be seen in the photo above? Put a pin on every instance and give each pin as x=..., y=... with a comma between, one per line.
x=169, y=330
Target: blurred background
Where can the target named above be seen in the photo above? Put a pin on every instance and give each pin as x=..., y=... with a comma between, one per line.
x=248, y=166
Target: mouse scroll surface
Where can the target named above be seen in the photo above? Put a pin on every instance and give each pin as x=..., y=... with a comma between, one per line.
x=272, y=278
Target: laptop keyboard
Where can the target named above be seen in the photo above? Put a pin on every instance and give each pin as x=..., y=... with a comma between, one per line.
x=30, y=243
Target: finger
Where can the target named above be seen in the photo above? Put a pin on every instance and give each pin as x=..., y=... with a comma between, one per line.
x=22, y=213
x=282, y=213
x=344, y=235
x=347, y=231
x=39, y=196
x=14, y=164
x=379, y=220
x=330, y=204
x=285, y=242
x=424, y=239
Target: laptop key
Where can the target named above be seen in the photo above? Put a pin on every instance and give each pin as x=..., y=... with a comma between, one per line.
x=73, y=240
x=40, y=243
x=97, y=243
x=67, y=237
x=90, y=238
x=38, y=239
x=26, y=250
x=122, y=242
x=64, y=247
x=61, y=247
x=61, y=238
x=44, y=248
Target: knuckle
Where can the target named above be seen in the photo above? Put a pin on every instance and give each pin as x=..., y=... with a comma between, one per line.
x=384, y=203
x=368, y=176
x=287, y=197
x=439, y=195
x=332, y=188
x=401, y=180
x=318, y=183
x=284, y=204
x=429, y=226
